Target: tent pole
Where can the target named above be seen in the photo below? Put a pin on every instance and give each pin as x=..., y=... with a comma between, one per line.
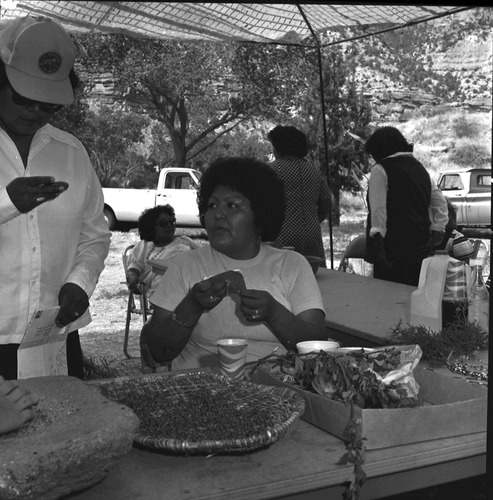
x=324, y=125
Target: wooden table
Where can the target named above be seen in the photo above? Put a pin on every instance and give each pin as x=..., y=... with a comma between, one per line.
x=302, y=465
x=362, y=311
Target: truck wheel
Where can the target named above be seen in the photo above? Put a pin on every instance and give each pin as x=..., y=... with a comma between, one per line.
x=110, y=218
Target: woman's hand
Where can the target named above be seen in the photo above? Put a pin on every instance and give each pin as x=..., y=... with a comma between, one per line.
x=208, y=293
x=133, y=281
x=256, y=305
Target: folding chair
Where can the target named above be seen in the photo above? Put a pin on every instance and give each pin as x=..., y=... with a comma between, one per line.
x=356, y=250
x=144, y=308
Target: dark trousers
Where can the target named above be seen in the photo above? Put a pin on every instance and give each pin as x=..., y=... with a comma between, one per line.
x=406, y=273
x=8, y=358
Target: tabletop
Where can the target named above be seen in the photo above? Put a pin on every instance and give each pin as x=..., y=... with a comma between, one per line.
x=362, y=311
x=359, y=311
x=304, y=460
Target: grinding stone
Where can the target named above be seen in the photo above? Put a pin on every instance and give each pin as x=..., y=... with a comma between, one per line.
x=75, y=439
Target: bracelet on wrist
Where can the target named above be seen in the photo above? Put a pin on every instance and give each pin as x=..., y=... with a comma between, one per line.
x=181, y=323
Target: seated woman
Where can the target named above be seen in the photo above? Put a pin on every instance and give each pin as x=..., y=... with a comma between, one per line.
x=274, y=304
x=16, y=404
x=158, y=241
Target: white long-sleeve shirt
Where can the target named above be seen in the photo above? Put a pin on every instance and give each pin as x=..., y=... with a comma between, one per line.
x=377, y=193
x=63, y=240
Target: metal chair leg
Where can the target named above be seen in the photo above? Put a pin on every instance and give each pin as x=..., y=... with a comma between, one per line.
x=127, y=326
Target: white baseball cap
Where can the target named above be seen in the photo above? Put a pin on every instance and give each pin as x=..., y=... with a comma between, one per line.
x=38, y=56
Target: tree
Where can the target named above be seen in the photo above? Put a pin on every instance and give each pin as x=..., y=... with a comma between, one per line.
x=199, y=91
x=346, y=111
x=177, y=84
x=111, y=140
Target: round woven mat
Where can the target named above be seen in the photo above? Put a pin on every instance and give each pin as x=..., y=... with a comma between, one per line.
x=205, y=412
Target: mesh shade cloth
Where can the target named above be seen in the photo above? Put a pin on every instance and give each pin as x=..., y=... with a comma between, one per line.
x=264, y=23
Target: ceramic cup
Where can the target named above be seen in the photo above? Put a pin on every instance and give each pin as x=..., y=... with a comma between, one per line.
x=232, y=357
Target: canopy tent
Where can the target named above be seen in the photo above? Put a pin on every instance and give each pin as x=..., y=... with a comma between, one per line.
x=287, y=24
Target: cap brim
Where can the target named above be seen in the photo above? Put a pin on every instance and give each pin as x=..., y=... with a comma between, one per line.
x=41, y=90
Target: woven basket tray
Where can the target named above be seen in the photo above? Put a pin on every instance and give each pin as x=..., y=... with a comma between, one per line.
x=205, y=412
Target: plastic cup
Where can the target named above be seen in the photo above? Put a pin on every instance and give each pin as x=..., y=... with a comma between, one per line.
x=232, y=357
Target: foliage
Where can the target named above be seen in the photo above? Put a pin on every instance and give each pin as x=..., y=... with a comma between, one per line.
x=437, y=143
x=111, y=136
x=457, y=339
x=73, y=118
x=406, y=56
x=97, y=368
x=197, y=91
x=346, y=110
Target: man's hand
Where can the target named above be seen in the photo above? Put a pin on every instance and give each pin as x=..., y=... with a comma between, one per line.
x=16, y=404
x=380, y=254
x=28, y=193
x=73, y=303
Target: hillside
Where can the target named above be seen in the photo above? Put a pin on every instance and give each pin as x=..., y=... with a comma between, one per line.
x=446, y=62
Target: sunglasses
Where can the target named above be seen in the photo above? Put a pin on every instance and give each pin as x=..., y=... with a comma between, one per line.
x=166, y=223
x=29, y=103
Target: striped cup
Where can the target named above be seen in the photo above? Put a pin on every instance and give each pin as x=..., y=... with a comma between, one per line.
x=232, y=357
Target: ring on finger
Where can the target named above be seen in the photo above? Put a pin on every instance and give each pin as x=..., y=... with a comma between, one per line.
x=38, y=199
x=213, y=299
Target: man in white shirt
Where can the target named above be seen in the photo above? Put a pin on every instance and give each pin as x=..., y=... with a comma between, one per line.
x=52, y=244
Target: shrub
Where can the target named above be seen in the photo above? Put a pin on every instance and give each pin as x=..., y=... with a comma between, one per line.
x=462, y=126
x=470, y=155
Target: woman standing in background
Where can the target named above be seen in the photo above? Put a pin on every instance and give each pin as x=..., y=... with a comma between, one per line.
x=307, y=192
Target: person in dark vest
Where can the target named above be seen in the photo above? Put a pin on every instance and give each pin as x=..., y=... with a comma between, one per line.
x=407, y=213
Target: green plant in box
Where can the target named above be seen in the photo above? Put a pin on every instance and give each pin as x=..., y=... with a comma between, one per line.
x=459, y=339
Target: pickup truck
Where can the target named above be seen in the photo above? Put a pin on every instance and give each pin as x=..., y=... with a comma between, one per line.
x=176, y=186
x=470, y=191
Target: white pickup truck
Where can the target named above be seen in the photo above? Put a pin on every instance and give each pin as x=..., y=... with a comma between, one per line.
x=470, y=191
x=176, y=186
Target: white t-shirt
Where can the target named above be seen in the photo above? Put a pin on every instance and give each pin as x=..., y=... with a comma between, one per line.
x=144, y=251
x=285, y=274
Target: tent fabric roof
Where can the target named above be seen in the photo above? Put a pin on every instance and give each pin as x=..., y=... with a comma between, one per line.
x=255, y=22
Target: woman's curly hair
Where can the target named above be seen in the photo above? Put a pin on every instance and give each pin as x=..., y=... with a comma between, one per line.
x=256, y=181
x=148, y=218
x=288, y=141
x=387, y=141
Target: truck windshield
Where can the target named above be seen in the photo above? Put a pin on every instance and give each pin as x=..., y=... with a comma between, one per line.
x=451, y=182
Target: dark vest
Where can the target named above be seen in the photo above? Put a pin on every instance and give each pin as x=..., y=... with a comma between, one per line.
x=408, y=199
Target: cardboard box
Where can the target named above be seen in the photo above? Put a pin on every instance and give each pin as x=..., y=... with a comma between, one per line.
x=453, y=407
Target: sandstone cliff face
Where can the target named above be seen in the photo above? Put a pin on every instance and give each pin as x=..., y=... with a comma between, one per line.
x=470, y=61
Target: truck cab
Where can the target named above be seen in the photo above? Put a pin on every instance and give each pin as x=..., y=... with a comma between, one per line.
x=470, y=191
x=178, y=187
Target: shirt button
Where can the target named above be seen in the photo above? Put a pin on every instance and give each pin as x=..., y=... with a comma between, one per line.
x=34, y=249
x=33, y=283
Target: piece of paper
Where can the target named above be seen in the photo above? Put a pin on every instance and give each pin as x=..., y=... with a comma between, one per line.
x=42, y=350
